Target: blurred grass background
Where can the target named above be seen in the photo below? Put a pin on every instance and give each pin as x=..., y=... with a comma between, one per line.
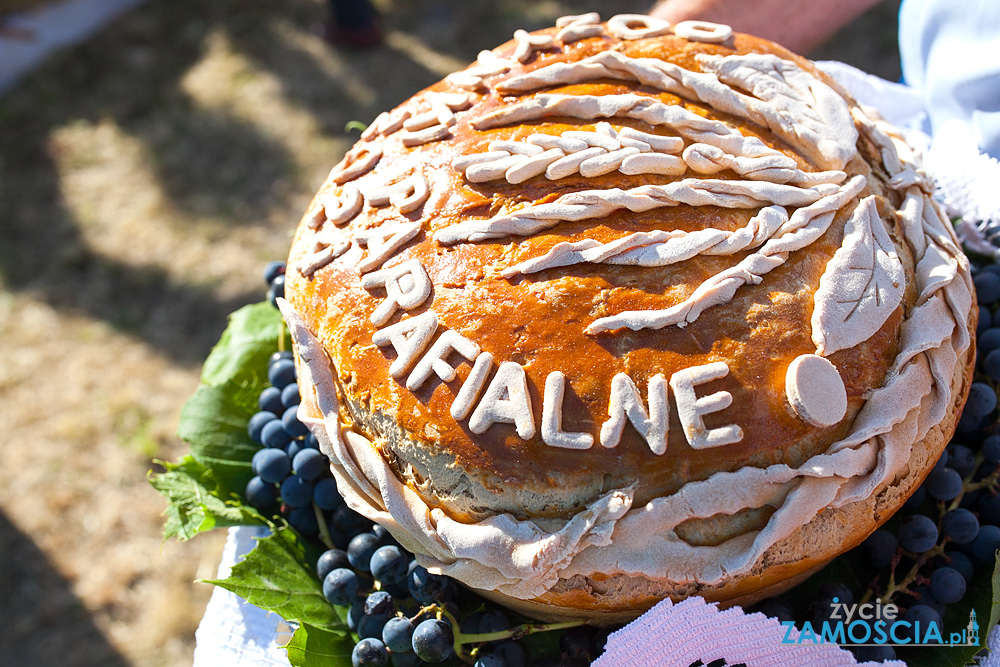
x=146, y=177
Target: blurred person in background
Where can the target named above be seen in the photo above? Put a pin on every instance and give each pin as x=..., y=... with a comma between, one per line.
x=949, y=49
x=353, y=24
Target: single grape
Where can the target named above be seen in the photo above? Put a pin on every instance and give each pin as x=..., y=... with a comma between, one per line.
x=271, y=464
x=991, y=449
x=293, y=448
x=961, y=459
x=989, y=341
x=274, y=435
x=776, y=608
x=296, y=492
x=493, y=620
x=925, y=615
x=389, y=563
x=270, y=401
x=257, y=423
x=881, y=547
x=989, y=509
x=290, y=395
x=433, y=641
x=311, y=441
x=379, y=604
x=360, y=550
x=278, y=356
x=260, y=494
x=970, y=424
x=303, y=519
x=339, y=539
x=384, y=536
x=514, y=655
x=331, y=560
x=944, y=484
x=970, y=499
x=947, y=585
x=960, y=525
x=918, y=533
x=916, y=500
x=325, y=493
x=281, y=373
x=987, y=286
x=278, y=287
x=309, y=464
x=834, y=591
x=292, y=425
x=347, y=521
x=985, y=546
x=355, y=614
x=985, y=321
x=958, y=561
x=991, y=365
x=922, y=595
x=398, y=634
x=272, y=270
x=369, y=652
x=982, y=400
x=427, y=588
x=340, y=585
x=371, y=626
x=490, y=660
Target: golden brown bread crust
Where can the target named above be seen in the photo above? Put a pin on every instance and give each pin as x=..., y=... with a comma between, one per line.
x=538, y=321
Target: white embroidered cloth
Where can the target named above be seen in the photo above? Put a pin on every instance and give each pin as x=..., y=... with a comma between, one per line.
x=234, y=632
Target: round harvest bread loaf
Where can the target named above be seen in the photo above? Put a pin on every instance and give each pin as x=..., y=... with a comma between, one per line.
x=628, y=310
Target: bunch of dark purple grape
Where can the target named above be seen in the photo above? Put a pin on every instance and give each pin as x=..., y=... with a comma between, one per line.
x=290, y=473
x=404, y=615
x=951, y=524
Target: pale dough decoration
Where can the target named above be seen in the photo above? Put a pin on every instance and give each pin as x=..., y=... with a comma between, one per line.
x=582, y=26
x=815, y=390
x=527, y=44
x=409, y=338
x=552, y=433
x=691, y=408
x=637, y=26
x=406, y=285
x=521, y=558
x=704, y=31
x=506, y=401
x=862, y=286
x=625, y=405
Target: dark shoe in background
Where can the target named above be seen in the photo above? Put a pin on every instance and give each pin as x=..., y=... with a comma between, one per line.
x=353, y=24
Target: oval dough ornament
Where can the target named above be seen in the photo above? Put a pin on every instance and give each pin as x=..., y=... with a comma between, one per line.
x=815, y=390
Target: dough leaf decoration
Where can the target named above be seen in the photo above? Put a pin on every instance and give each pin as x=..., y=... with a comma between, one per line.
x=862, y=286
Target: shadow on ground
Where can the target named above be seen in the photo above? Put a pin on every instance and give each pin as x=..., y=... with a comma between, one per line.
x=43, y=622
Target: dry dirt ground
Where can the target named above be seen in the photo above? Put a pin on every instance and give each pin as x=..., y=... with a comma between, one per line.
x=145, y=179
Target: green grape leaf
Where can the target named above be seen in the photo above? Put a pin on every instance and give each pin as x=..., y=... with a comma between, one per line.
x=245, y=345
x=315, y=647
x=194, y=503
x=214, y=420
x=274, y=576
x=214, y=423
